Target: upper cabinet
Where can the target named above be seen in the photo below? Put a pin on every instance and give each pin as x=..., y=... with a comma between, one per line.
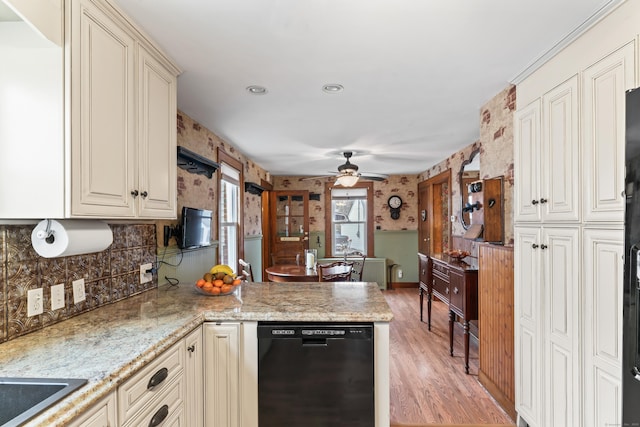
x=546, y=156
x=603, y=108
x=117, y=153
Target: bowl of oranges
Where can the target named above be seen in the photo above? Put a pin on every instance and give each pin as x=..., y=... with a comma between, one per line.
x=219, y=281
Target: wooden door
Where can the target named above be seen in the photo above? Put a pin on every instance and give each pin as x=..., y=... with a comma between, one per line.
x=289, y=225
x=424, y=236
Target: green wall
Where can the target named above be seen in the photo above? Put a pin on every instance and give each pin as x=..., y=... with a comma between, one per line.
x=253, y=255
x=399, y=247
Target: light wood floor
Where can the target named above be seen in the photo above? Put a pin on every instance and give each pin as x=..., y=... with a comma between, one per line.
x=429, y=387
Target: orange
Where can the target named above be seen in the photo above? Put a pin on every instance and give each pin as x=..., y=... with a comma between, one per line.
x=207, y=286
x=215, y=291
x=200, y=283
x=237, y=282
x=218, y=283
x=226, y=288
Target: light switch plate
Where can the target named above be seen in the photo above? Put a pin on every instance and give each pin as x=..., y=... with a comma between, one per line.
x=57, y=297
x=78, y=291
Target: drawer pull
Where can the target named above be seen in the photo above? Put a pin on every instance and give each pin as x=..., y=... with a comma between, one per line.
x=447, y=290
x=191, y=348
x=157, y=378
x=456, y=290
x=159, y=416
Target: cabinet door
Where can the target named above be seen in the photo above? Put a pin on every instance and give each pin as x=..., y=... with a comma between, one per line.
x=562, y=296
x=156, y=138
x=102, y=115
x=102, y=414
x=527, y=163
x=193, y=369
x=603, y=281
x=222, y=374
x=528, y=324
x=603, y=134
x=559, y=198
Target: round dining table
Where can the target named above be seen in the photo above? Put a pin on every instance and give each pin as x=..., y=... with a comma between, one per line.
x=291, y=273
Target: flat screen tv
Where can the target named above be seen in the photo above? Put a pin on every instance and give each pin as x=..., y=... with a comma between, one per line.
x=195, y=228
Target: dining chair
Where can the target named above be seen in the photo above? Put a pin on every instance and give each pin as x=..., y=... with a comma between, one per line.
x=338, y=271
x=358, y=259
x=246, y=270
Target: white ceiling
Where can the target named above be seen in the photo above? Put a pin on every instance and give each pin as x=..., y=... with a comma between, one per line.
x=415, y=72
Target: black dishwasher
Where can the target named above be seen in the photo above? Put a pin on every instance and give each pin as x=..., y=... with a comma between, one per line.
x=315, y=375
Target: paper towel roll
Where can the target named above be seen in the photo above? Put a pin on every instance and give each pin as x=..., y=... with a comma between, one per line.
x=71, y=237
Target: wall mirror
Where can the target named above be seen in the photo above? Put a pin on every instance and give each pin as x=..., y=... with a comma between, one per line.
x=469, y=172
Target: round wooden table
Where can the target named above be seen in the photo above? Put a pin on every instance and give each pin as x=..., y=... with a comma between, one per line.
x=291, y=273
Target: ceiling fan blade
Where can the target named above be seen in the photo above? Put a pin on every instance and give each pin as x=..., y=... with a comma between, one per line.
x=374, y=176
x=312, y=178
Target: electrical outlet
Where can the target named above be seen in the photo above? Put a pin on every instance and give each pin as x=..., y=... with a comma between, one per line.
x=453, y=218
x=144, y=276
x=57, y=296
x=34, y=302
x=78, y=291
x=399, y=274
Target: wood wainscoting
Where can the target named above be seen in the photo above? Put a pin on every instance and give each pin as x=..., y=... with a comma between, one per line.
x=495, y=305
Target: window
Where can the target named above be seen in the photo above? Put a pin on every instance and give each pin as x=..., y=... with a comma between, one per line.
x=229, y=214
x=350, y=220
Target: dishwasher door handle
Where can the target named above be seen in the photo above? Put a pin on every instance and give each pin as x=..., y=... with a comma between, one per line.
x=314, y=342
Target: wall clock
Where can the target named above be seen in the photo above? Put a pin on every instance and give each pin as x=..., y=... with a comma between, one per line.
x=394, y=202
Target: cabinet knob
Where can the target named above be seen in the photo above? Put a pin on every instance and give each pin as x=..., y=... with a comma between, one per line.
x=543, y=200
x=134, y=193
x=534, y=202
x=534, y=246
x=191, y=348
x=456, y=291
x=543, y=246
x=144, y=194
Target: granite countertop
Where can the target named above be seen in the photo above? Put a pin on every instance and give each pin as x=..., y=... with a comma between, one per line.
x=107, y=345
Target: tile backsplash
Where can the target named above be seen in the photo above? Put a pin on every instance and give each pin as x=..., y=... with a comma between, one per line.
x=110, y=275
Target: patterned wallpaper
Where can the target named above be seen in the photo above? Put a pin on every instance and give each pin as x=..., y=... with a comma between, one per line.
x=198, y=191
x=496, y=157
x=406, y=186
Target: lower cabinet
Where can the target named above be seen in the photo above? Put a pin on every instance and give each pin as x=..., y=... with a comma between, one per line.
x=222, y=374
x=231, y=374
x=102, y=414
x=193, y=372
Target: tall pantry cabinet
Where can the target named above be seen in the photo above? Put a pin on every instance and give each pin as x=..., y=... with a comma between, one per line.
x=569, y=212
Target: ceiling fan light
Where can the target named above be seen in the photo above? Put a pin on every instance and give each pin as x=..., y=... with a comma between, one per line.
x=347, y=180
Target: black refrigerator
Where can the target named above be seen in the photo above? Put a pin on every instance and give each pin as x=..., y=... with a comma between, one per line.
x=631, y=297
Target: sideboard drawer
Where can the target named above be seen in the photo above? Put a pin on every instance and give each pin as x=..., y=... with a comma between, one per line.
x=441, y=270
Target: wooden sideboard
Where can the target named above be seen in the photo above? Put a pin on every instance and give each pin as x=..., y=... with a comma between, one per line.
x=455, y=283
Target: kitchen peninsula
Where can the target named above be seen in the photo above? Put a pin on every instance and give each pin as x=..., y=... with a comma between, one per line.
x=109, y=345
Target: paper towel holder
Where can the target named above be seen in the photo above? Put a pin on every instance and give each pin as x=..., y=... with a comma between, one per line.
x=46, y=234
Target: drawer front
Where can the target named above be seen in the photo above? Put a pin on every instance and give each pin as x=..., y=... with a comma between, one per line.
x=136, y=392
x=441, y=270
x=457, y=295
x=441, y=288
x=167, y=406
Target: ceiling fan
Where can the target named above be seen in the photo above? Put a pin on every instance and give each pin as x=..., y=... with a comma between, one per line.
x=348, y=175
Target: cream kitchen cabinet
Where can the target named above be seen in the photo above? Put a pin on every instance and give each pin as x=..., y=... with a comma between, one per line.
x=107, y=147
x=603, y=107
x=546, y=153
x=194, y=403
x=547, y=317
x=102, y=414
x=230, y=374
x=123, y=143
x=603, y=292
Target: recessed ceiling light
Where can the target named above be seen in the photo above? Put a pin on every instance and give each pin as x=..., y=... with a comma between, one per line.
x=332, y=88
x=257, y=90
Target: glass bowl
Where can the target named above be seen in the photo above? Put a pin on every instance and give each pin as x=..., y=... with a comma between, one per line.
x=216, y=291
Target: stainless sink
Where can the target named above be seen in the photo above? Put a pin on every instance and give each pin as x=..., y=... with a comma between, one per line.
x=23, y=398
